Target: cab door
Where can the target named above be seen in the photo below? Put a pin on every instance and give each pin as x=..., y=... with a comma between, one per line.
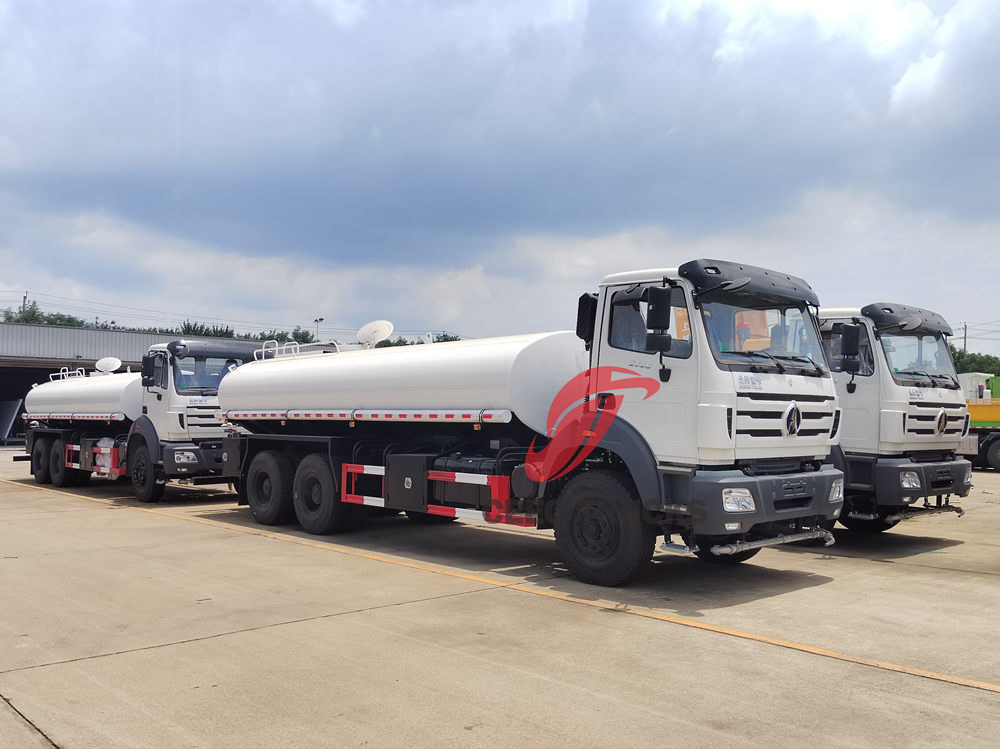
x=666, y=419
x=156, y=398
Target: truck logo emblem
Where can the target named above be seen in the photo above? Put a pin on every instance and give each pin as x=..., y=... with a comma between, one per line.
x=942, y=421
x=407, y=483
x=791, y=420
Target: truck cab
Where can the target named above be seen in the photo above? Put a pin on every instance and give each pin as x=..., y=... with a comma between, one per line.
x=746, y=411
x=178, y=427
x=904, y=414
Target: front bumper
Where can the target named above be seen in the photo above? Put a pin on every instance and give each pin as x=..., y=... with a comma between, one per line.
x=188, y=459
x=941, y=477
x=783, y=499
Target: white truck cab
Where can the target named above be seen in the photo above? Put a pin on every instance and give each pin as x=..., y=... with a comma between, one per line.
x=904, y=416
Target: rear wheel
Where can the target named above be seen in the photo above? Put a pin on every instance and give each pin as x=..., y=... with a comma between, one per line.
x=60, y=473
x=314, y=496
x=41, y=451
x=143, y=473
x=269, y=488
x=599, y=529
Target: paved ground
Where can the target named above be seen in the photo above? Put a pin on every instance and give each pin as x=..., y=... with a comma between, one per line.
x=185, y=624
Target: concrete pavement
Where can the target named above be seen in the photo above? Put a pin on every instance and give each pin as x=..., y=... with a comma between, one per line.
x=186, y=624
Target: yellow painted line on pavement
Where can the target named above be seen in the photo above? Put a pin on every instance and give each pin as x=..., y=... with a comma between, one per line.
x=623, y=608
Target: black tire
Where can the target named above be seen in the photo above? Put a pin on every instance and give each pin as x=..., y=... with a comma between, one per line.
x=143, y=473
x=60, y=474
x=877, y=525
x=269, y=487
x=600, y=531
x=704, y=553
x=41, y=453
x=993, y=455
x=314, y=495
x=426, y=518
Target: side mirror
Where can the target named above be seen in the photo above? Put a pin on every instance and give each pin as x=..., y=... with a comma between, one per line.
x=850, y=341
x=658, y=310
x=660, y=342
x=850, y=348
x=586, y=317
x=147, y=371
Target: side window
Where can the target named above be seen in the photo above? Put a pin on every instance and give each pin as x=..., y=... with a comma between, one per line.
x=628, y=322
x=831, y=343
x=160, y=371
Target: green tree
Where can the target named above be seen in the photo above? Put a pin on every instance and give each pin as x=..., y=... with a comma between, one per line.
x=31, y=314
x=969, y=361
x=398, y=341
x=445, y=338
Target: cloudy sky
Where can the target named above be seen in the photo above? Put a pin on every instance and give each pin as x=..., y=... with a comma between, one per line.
x=474, y=166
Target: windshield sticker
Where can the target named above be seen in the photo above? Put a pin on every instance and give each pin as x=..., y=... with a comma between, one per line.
x=749, y=382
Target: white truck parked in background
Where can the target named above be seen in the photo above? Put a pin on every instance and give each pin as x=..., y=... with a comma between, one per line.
x=152, y=426
x=703, y=411
x=904, y=414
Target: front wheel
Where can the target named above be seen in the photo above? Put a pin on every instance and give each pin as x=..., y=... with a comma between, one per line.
x=600, y=531
x=993, y=455
x=143, y=473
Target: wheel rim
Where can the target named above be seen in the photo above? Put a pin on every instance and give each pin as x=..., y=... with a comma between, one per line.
x=264, y=487
x=139, y=472
x=595, y=532
x=313, y=496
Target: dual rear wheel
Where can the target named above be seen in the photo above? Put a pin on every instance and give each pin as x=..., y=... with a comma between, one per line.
x=48, y=464
x=278, y=490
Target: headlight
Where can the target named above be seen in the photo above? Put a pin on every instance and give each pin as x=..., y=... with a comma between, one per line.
x=909, y=480
x=738, y=500
x=837, y=491
x=185, y=456
x=967, y=476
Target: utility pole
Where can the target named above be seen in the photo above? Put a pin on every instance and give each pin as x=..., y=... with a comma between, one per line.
x=24, y=302
x=965, y=335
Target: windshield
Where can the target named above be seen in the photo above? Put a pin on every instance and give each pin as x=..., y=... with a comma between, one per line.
x=202, y=374
x=775, y=338
x=919, y=357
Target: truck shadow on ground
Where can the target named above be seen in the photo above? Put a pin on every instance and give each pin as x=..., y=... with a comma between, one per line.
x=684, y=586
x=876, y=546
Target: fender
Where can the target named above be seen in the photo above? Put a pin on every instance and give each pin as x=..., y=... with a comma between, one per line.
x=625, y=441
x=143, y=429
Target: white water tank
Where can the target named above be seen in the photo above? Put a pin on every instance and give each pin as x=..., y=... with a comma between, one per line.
x=106, y=393
x=522, y=374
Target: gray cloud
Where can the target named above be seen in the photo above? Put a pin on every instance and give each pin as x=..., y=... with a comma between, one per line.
x=430, y=134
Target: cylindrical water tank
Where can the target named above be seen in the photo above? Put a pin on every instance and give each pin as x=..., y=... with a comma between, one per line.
x=109, y=393
x=522, y=374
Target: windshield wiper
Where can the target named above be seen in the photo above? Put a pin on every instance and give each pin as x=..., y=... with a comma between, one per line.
x=803, y=357
x=764, y=354
x=929, y=376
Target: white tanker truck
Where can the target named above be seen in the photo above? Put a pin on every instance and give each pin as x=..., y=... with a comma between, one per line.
x=690, y=402
x=151, y=427
x=904, y=414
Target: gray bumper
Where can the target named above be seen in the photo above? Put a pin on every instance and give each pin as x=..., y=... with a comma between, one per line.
x=188, y=459
x=944, y=477
x=782, y=498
